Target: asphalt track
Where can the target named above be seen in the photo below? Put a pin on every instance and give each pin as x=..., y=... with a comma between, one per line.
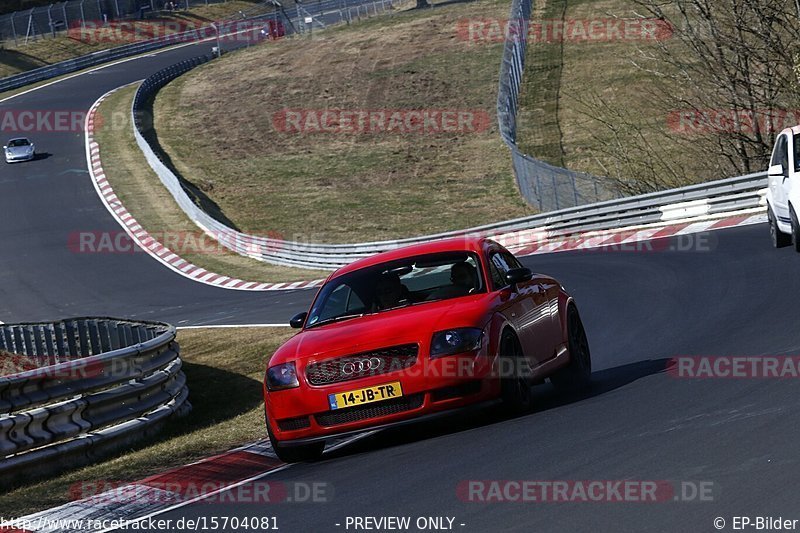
x=639, y=422
x=735, y=296
x=43, y=202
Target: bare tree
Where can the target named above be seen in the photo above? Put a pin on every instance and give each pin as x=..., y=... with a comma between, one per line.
x=732, y=64
x=727, y=82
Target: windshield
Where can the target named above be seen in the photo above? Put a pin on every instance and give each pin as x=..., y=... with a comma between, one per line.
x=396, y=284
x=13, y=143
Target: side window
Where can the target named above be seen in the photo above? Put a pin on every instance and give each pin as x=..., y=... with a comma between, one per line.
x=498, y=266
x=510, y=260
x=781, y=154
x=796, y=140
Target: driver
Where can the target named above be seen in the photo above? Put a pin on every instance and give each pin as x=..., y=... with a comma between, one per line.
x=464, y=277
x=389, y=291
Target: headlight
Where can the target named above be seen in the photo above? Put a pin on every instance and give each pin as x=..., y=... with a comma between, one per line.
x=282, y=377
x=452, y=341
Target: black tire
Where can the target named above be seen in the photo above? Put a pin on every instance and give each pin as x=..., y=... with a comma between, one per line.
x=795, y=230
x=296, y=454
x=577, y=374
x=515, y=384
x=779, y=239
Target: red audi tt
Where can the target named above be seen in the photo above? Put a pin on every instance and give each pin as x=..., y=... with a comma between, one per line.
x=417, y=332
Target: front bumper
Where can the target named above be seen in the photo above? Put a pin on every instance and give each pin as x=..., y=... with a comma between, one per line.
x=303, y=414
x=417, y=419
x=20, y=159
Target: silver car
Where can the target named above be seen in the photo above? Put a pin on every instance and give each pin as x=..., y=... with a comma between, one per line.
x=18, y=150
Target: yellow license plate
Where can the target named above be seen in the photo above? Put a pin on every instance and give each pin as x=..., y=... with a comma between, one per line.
x=377, y=393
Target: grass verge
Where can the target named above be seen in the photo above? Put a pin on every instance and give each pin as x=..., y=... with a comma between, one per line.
x=347, y=187
x=152, y=205
x=224, y=369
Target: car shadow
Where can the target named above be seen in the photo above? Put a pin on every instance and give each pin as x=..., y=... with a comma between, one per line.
x=545, y=397
x=41, y=155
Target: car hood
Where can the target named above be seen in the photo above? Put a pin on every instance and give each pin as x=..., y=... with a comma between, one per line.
x=413, y=324
x=19, y=150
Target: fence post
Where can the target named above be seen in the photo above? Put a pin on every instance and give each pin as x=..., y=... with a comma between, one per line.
x=50, y=21
x=30, y=26
x=14, y=29
x=555, y=191
x=575, y=189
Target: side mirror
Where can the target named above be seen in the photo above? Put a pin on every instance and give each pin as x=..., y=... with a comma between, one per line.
x=775, y=170
x=518, y=275
x=298, y=320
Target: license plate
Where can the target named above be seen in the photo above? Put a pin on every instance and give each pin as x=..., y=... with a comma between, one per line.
x=366, y=395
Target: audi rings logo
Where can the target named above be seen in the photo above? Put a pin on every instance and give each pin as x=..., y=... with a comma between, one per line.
x=360, y=366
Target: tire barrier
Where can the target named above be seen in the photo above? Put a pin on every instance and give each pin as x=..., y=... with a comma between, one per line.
x=72, y=388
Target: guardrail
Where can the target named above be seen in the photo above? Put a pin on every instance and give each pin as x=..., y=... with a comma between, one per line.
x=81, y=386
x=293, y=18
x=728, y=195
x=104, y=56
x=47, y=21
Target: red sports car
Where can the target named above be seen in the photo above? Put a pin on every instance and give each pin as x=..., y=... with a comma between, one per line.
x=416, y=332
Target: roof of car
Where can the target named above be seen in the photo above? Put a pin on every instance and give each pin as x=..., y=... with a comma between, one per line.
x=19, y=139
x=455, y=244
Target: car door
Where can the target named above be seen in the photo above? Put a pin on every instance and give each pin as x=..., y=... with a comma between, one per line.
x=779, y=182
x=527, y=308
x=791, y=183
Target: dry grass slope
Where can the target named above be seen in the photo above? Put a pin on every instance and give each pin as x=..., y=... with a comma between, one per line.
x=216, y=124
x=152, y=205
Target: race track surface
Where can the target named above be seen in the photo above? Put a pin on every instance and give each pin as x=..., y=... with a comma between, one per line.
x=732, y=296
x=44, y=202
x=739, y=437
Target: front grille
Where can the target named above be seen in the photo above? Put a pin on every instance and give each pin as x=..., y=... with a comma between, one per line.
x=291, y=424
x=362, y=364
x=362, y=412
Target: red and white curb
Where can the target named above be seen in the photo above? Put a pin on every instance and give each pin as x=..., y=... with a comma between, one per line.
x=146, y=241
x=154, y=495
x=540, y=241
x=214, y=479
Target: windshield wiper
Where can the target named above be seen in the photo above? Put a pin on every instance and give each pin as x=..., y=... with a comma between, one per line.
x=335, y=319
